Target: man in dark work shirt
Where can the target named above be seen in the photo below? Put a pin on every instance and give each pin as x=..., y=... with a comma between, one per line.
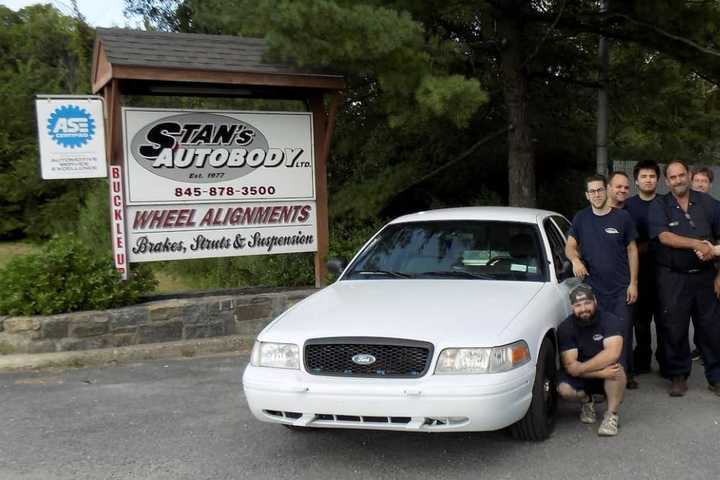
x=601, y=247
x=646, y=174
x=591, y=345
x=685, y=224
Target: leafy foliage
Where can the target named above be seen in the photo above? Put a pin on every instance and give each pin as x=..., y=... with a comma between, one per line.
x=67, y=276
x=425, y=82
x=41, y=51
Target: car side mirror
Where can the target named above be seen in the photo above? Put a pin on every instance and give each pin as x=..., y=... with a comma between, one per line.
x=336, y=266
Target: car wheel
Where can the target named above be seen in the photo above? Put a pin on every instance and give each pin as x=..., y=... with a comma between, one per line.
x=538, y=422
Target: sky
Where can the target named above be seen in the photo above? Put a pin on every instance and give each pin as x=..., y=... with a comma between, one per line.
x=98, y=13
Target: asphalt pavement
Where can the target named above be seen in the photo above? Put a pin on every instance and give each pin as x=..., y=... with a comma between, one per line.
x=188, y=419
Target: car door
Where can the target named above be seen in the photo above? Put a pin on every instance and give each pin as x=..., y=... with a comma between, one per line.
x=565, y=280
x=562, y=224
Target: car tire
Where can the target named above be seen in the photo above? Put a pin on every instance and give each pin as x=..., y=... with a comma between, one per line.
x=539, y=421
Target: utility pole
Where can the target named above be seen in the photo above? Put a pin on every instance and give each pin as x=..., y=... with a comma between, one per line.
x=602, y=162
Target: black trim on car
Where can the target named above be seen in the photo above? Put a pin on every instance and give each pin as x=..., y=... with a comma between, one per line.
x=377, y=341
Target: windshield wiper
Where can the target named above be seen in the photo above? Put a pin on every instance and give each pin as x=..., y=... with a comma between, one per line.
x=456, y=274
x=382, y=272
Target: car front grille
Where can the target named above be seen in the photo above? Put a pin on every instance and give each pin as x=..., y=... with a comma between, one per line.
x=393, y=357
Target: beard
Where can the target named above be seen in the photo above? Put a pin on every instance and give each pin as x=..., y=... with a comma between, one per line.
x=680, y=190
x=585, y=320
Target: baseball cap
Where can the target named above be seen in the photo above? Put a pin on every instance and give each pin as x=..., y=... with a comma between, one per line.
x=580, y=293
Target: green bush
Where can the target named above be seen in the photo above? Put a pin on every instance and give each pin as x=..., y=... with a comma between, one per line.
x=68, y=276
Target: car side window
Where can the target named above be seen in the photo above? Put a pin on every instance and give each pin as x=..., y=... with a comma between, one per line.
x=562, y=224
x=557, y=247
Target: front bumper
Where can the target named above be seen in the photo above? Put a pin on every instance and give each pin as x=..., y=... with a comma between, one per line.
x=432, y=403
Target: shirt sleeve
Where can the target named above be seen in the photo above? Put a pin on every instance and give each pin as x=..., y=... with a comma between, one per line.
x=657, y=218
x=614, y=325
x=566, y=336
x=574, y=227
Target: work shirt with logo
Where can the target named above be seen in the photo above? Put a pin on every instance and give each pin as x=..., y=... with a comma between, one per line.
x=589, y=340
x=701, y=221
x=603, y=241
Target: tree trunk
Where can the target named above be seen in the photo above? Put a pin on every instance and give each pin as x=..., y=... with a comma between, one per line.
x=521, y=158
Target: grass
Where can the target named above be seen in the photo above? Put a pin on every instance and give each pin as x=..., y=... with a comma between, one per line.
x=168, y=283
x=9, y=250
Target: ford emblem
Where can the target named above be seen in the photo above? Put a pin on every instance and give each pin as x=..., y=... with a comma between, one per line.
x=363, y=359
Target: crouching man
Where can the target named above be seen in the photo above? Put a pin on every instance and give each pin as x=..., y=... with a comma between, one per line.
x=591, y=346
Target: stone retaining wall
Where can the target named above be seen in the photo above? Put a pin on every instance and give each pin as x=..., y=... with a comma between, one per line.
x=158, y=321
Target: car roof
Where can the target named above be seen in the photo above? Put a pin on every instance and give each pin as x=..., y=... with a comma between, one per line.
x=507, y=214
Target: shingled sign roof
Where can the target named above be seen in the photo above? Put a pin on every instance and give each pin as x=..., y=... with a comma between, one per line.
x=139, y=55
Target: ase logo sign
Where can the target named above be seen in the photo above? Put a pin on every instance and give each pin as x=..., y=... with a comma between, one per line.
x=71, y=136
x=71, y=126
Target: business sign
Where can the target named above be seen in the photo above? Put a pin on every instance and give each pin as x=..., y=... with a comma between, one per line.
x=176, y=157
x=71, y=136
x=117, y=219
x=216, y=184
x=174, y=232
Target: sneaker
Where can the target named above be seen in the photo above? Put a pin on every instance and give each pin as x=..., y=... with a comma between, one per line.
x=587, y=412
x=609, y=425
x=695, y=354
x=679, y=387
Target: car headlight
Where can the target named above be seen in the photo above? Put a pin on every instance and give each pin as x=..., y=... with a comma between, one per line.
x=482, y=360
x=275, y=355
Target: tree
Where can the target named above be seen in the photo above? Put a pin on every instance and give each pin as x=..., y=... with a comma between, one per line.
x=41, y=51
x=518, y=50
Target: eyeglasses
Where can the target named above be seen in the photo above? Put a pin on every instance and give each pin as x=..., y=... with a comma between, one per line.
x=597, y=191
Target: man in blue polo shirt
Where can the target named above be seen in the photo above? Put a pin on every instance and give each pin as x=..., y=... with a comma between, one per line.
x=601, y=247
x=591, y=345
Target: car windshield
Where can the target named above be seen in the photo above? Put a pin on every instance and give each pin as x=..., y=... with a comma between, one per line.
x=476, y=250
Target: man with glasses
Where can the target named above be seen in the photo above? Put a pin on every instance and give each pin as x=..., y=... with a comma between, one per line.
x=684, y=224
x=601, y=247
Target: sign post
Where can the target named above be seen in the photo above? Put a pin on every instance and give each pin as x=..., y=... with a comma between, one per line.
x=117, y=218
x=211, y=184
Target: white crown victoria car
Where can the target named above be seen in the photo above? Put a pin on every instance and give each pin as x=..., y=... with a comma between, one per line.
x=444, y=321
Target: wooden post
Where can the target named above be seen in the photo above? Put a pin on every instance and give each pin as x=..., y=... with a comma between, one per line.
x=111, y=92
x=114, y=148
x=317, y=107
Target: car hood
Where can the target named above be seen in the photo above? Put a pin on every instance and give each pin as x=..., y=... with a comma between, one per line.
x=449, y=312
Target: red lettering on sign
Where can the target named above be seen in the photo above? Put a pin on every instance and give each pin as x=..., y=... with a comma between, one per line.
x=118, y=227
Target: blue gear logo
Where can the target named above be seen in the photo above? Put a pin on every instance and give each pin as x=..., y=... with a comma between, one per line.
x=71, y=126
